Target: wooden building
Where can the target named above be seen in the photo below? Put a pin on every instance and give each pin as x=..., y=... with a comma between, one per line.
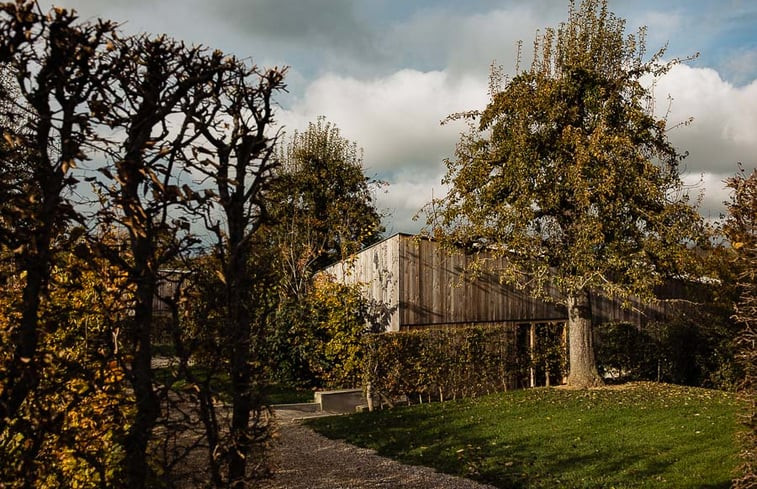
x=420, y=285
x=415, y=284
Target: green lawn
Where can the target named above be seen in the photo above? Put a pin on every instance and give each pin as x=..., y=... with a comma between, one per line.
x=637, y=435
x=283, y=394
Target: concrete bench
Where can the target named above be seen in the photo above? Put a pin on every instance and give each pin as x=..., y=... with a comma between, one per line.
x=340, y=401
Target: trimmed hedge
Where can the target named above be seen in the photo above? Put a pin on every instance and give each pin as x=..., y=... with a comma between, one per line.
x=439, y=364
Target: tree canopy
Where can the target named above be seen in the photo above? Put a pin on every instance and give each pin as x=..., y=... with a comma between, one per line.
x=569, y=173
x=325, y=211
x=325, y=194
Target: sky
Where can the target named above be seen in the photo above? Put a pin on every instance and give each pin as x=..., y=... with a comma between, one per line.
x=387, y=72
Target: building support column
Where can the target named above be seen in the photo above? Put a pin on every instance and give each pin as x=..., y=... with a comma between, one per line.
x=549, y=333
x=564, y=350
x=532, y=348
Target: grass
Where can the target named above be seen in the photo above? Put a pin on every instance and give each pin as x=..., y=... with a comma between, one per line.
x=283, y=394
x=219, y=382
x=641, y=435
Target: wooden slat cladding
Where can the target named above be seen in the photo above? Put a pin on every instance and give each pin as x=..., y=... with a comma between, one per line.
x=376, y=269
x=436, y=287
x=421, y=285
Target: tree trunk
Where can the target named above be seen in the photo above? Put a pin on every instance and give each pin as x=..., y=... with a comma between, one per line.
x=239, y=334
x=23, y=375
x=241, y=407
x=147, y=404
x=583, y=365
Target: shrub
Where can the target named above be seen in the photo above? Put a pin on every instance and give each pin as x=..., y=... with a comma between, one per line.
x=691, y=348
x=318, y=341
x=442, y=363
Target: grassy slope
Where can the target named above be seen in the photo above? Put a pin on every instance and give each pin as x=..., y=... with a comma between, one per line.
x=641, y=435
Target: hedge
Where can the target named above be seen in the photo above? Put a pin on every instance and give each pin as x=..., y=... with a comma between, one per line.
x=439, y=364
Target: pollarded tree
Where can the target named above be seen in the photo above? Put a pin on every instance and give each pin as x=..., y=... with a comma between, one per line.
x=741, y=229
x=571, y=176
x=236, y=158
x=54, y=65
x=151, y=81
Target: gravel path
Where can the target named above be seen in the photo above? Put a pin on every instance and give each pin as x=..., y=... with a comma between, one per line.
x=304, y=459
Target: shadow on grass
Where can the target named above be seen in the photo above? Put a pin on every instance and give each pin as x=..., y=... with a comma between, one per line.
x=544, y=444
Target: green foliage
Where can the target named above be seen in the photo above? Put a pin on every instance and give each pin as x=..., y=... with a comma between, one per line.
x=741, y=229
x=640, y=435
x=624, y=352
x=325, y=211
x=69, y=431
x=569, y=174
x=693, y=350
x=338, y=315
x=284, y=394
x=326, y=201
x=317, y=341
x=442, y=363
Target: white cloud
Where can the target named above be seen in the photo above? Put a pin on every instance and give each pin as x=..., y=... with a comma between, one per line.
x=713, y=192
x=405, y=199
x=724, y=130
x=469, y=44
x=395, y=115
x=396, y=120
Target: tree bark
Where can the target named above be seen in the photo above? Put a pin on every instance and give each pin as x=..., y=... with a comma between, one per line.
x=239, y=323
x=147, y=404
x=583, y=365
x=241, y=395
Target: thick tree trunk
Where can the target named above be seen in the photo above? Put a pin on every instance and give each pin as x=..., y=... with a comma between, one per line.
x=241, y=408
x=239, y=334
x=147, y=403
x=583, y=365
x=22, y=376
x=144, y=276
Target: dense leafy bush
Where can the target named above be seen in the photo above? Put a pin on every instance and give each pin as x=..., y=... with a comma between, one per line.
x=690, y=349
x=318, y=341
x=443, y=363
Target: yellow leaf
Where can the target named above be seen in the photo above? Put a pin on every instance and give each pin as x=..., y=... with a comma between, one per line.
x=220, y=276
x=67, y=165
x=9, y=139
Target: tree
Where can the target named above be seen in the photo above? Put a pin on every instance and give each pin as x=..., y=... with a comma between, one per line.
x=569, y=175
x=51, y=64
x=236, y=156
x=326, y=203
x=741, y=229
x=70, y=91
x=53, y=89
x=151, y=82
x=337, y=323
x=325, y=211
